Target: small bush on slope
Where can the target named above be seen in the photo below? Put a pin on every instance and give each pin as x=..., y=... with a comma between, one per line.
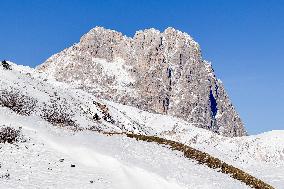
x=6, y=65
x=10, y=135
x=16, y=101
x=105, y=111
x=58, y=113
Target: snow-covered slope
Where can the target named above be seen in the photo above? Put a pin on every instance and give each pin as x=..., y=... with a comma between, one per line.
x=56, y=102
x=100, y=161
x=260, y=155
x=114, y=161
x=267, y=147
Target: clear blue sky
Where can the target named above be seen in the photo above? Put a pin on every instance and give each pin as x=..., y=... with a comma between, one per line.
x=244, y=39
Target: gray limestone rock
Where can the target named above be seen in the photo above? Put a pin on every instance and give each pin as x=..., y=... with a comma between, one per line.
x=160, y=72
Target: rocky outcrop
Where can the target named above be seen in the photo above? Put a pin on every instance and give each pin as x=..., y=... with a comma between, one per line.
x=160, y=72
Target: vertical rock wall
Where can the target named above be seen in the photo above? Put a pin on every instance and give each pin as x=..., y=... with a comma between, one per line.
x=160, y=72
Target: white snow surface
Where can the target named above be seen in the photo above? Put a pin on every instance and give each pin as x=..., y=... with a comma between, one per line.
x=118, y=161
x=260, y=155
x=107, y=161
x=115, y=69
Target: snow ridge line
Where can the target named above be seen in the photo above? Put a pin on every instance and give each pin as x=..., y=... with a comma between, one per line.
x=202, y=158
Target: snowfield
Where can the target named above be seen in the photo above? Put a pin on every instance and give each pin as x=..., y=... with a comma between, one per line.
x=101, y=161
x=260, y=155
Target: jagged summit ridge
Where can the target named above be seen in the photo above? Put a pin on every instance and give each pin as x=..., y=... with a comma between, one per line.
x=160, y=72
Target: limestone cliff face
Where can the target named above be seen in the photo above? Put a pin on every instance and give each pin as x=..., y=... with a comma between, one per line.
x=160, y=72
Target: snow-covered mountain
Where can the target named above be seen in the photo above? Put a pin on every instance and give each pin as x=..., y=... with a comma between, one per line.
x=63, y=125
x=159, y=72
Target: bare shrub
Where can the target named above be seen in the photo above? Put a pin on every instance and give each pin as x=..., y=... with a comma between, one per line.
x=6, y=65
x=105, y=111
x=16, y=101
x=57, y=112
x=5, y=176
x=11, y=135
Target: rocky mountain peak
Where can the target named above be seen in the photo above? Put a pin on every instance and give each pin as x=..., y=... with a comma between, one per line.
x=161, y=72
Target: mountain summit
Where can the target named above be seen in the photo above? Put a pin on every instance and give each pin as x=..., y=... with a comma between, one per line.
x=160, y=72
